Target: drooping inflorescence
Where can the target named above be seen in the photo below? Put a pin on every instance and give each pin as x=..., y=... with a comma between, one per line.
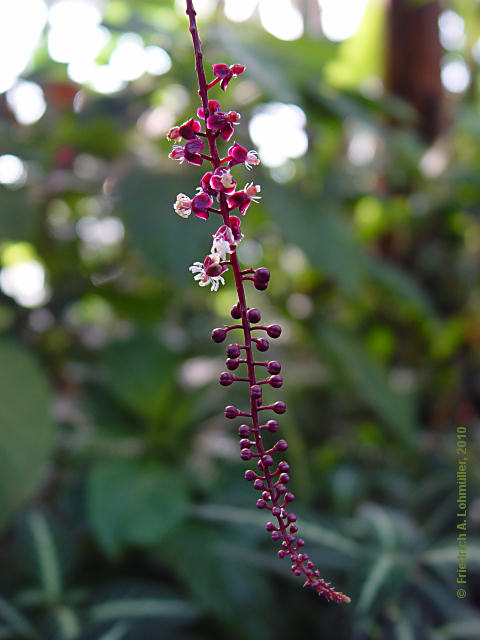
x=218, y=195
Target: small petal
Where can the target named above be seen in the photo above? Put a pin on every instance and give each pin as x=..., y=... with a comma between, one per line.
x=222, y=70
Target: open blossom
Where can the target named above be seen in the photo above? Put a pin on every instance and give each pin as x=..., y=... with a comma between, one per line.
x=190, y=152
x=222, y=180
x=242, y=199
x=183, y=206
x=200, y=205
x=210, y=272
x=223, y=242
x=222, y=122
x=238, y=154
x=226, y=73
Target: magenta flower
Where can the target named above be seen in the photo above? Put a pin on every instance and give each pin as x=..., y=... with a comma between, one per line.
x=200, y=205
x=238, y=155
x=222, y=180
x=213, y=107
x=187, y=131
x=224, y=73
x=210, y=272
x=243, y=198
x=205, y=184
x=222, y=122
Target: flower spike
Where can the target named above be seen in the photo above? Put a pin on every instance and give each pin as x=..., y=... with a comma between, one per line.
x=270, y=478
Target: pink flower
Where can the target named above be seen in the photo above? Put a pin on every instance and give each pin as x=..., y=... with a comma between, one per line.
x=235, y=223
x=242, y=199
x=189, y=129
x=222, y=122
x=200, y=205
x=183, y=206
x=174, y=134
x=222, y=180
x=223, y=242
x=238, y=154
x=189, y=152
x=213, y=107
x=210, y=272
x=205, y=184
x=226, y=73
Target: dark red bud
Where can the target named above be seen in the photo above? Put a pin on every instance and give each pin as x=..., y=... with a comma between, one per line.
x=279, y=407
x=262, y=344
x=249, y=475
x=274, y=330
x=233, y=351
x=232, y=364
x=256, y=391
x=245, y=443
x=275, y=381
x=272, y=426
x=283, y=466
x=246, y=454
x=235, y=312
x=260, y=286
x=274, y=367
x=226, y=379
x=258, y=485
x=262, y=274
x=244, y=431
x=231, y=412
x=219, y=335
x=253, y=315
x=282, y=445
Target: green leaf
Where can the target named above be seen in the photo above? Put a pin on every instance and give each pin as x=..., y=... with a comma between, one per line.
x=380, y=576
x=321, y=231
x=45, y=554
x=26, y=436
x=146, y=203
x=142, y=608
x=401, y=286
x=367, y=379
x=15, y=621
x=139, y=373
x=458, y=630
x=221, y=584
x=130, y=503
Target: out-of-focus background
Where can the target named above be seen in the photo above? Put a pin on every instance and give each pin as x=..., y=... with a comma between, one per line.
x=124, y=513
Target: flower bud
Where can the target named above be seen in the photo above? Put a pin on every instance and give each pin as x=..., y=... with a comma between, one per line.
x=272, y=426
x=283, y=466
x=279, y=407
x=219, y=335
x=231, y=412
x=253, y=315
x=289, y=497
x=281, y=445
x=262, y=344
x=284, y=478
x=249, y=475
x=270, y=526
x=276, y=511
x=233, y=351
x=235, y=312
x=274, y=330
x=246, y=454
x=291, y=517
x=267, y=460
x=262, y=274
x=256, y=391
x=274, y=367
x=244, y=431
x=258, y=485
x=232, y=364
x=260, y=286
x=245, y=443
x=226, y=379
x=261, y=504
x=275, y=381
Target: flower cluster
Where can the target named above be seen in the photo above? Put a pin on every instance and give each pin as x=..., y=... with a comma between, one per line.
x=218, y=194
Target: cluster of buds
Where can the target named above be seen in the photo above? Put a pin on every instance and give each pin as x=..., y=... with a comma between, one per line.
x=219, y=186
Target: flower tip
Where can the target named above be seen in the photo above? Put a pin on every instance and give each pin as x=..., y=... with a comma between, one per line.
x=345, y=599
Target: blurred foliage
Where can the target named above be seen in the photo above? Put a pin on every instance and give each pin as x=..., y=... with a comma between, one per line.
x=124, y=512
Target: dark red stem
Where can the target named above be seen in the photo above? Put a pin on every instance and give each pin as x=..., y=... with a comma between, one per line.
x=312, y=580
